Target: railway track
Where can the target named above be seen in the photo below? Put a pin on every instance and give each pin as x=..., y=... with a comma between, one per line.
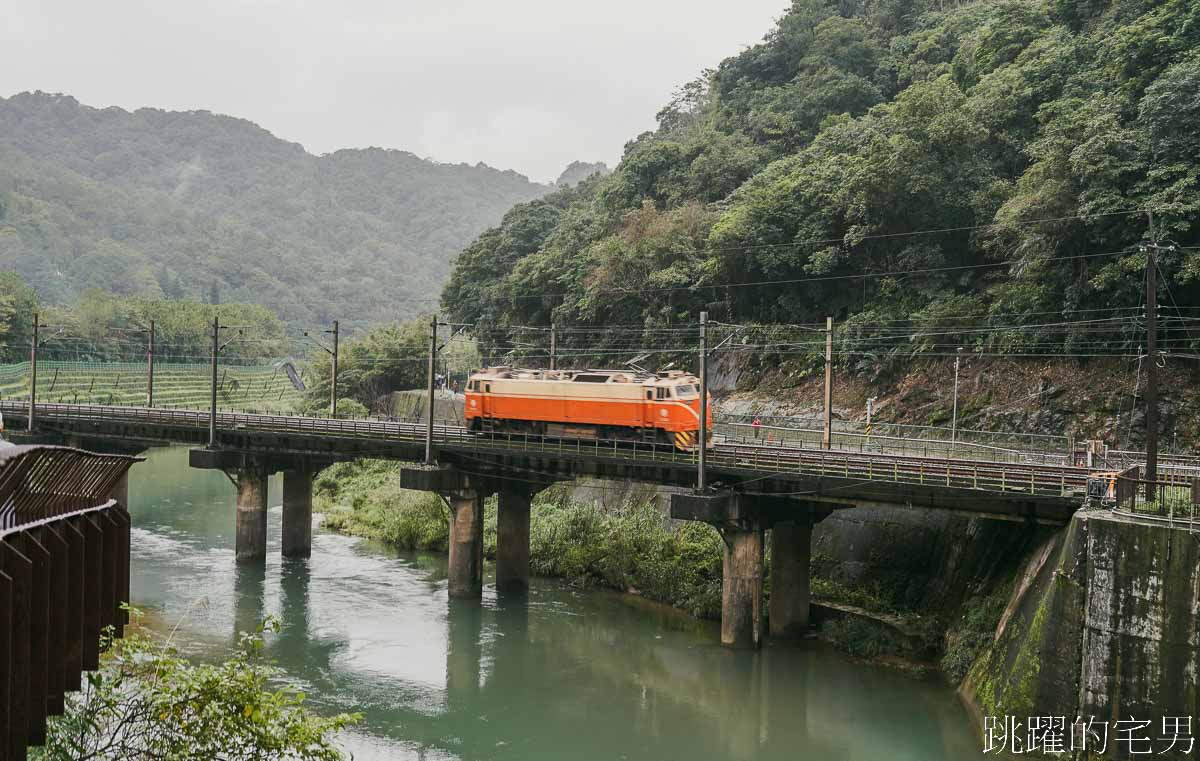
x=744, y=460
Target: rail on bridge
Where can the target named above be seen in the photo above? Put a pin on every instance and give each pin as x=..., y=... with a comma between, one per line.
x=64, y=574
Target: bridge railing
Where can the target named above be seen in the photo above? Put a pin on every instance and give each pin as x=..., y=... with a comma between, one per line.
x=1026, y=477
x=778, y=435
x=64, y=574
x=963, y=437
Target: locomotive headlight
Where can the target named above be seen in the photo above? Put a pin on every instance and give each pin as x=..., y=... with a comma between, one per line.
x=472, y=402
x=662, y=413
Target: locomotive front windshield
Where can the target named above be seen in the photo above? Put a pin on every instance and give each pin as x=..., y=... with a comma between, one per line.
x=686, y=391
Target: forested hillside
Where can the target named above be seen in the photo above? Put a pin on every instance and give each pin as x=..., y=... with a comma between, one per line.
x=933, y=174
x=156, y=204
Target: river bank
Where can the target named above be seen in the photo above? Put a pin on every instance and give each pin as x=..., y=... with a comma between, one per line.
x=566, y=672
x=617, y=538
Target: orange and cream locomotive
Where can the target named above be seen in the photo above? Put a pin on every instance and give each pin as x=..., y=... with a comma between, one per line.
x=589, y=404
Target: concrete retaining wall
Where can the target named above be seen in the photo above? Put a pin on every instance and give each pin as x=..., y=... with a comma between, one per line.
x=1104, y=622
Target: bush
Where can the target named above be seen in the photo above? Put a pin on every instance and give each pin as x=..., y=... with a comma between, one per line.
x=630, y=550
x=146, y=702
x=975, y=631
x=364, y=498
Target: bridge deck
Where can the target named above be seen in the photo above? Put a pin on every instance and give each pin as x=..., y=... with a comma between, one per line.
x=1028, y=489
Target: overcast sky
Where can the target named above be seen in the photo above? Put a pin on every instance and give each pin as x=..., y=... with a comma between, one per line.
x=528, y=85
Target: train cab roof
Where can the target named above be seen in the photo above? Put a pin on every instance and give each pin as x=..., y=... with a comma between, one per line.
x=666, y=378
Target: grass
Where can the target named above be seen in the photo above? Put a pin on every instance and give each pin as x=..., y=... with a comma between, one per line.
x=364, y=498
x=862, y=637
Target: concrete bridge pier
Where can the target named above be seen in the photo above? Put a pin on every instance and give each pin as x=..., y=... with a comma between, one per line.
x=466, y=544
x=742, y=519
x=791, y=552
x=250, y=539
x=465, y=496
x=742, y=585
x=297, y=512
x=512, y=542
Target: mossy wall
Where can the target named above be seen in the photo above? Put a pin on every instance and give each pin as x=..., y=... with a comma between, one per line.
x=924, y=561
x=1103, y=622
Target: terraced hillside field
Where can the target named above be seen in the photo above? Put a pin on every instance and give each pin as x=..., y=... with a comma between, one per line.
x=261, y=388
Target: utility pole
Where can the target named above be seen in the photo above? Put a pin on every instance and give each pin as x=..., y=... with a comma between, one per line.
x=827, y=433
x=433, y=326
x=553, y=346
x=212, y=411
x=703, y=445
x=870, y=412
x=33, y=347
x=1151, y=250
x=333, y=381
x=150, y=367
x=954, y=417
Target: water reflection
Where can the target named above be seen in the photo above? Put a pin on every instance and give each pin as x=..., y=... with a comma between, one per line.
x=249, y=597
x=560, y=673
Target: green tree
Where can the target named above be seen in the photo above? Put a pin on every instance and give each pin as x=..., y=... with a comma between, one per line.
x=18, y=302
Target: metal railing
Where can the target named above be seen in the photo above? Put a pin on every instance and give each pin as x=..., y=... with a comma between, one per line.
x=785, y=436
x=1174, y=496
x=64, y=553
x=1025, y=442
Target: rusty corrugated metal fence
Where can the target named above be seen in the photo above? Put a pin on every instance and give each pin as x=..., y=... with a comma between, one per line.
x=64, y=574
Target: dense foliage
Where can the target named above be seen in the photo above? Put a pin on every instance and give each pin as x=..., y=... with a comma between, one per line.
x=147, y=702
x=100, y=327
x=624, y=549
x=156, y=204
x=387, y=358
x=893, y=163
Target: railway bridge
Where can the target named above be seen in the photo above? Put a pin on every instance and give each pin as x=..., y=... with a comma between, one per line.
x=751, y=487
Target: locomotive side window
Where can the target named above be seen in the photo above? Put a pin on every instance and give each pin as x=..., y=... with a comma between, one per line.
x=662, y=392
x=649, y=394
x=487, y=388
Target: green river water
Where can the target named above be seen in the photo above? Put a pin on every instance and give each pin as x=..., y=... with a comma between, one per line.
x=563, y=674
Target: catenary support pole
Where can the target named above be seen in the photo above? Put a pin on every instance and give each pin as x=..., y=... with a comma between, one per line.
x=333, y=381
x=553, y=346
x=212, y=409
x=703, y=442
x=433, y=325
x=827, y=431
x=150, y=366
x=33, y=352
x=954, y=415
x=1151, y=363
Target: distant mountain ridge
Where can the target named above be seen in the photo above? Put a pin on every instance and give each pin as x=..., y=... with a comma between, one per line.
x=197, y=205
